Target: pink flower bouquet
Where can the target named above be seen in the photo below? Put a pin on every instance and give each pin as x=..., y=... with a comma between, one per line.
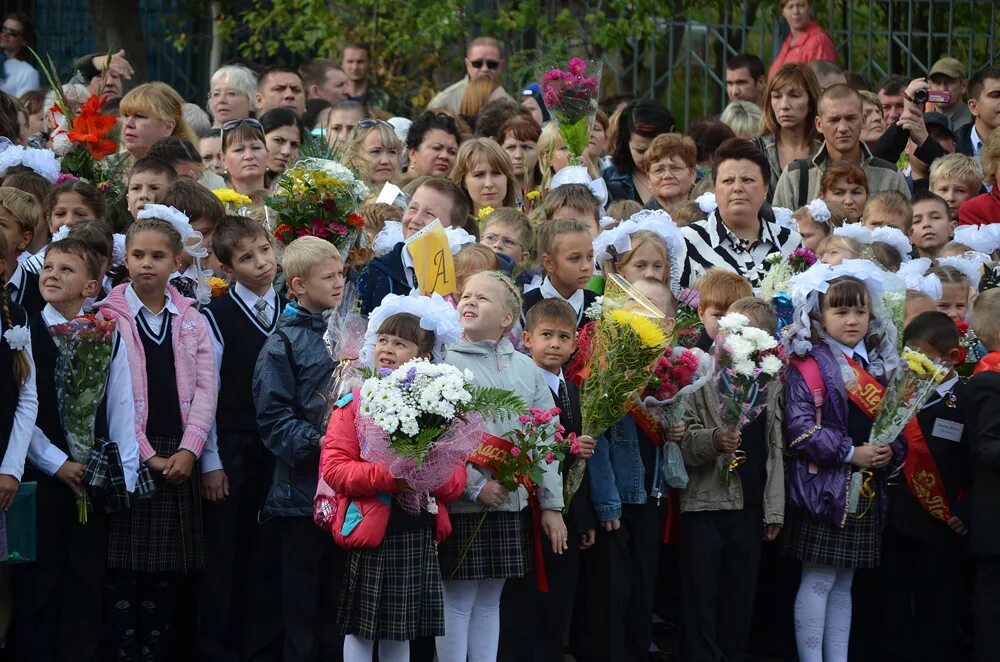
x=570, y=93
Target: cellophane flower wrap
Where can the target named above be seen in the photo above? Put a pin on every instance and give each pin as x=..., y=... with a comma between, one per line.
x=783, y=268
x=318, y=198
x=570, y=92
x=912, y=385
x=676, y=375
x=627, y=341
x=747, y=361
x=423, y=419
x=86, y=344
x=972, y=350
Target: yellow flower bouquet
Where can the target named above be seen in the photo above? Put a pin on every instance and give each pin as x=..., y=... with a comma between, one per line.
x=627, y=341
x=914, y=383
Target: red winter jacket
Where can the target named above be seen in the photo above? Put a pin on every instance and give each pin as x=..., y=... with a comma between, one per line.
x=355, y=479
x=983, y=209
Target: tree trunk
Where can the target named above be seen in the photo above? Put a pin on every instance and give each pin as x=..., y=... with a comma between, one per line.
x=117, y=26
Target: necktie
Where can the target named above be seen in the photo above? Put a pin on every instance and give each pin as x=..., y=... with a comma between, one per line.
x=184, y=286
x=565, y=407
x=260, y=309
x=860, y=360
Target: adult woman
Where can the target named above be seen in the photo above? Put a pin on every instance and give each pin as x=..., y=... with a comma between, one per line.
x=736, y=236
x=283, y=130
x=847, y=184
x=639, y=123
x=519, y=138
x=806, y=41
x=670, y=165
x=789, y=131
x=244, y=156
x=16, y=35
x=874, y=118
x=373, y=150
x=232, y=93
x=484, y=172
x=150, y=112
x=432, y=144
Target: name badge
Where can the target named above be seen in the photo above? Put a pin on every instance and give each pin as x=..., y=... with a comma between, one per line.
x=945, y=429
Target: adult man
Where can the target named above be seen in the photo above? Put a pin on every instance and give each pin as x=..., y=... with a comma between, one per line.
x=356, y=61
x=745, y=79
x=890, y=93
x=484, y=57
x=984, y=104
x=948, y=75
x=839, y=122
x=279, y=85
x=323, y=79
x=89, y=72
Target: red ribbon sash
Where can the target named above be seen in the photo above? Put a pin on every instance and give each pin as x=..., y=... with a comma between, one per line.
x=652, y=427
x=491, y=454
x=919, y=468
x=990, y=362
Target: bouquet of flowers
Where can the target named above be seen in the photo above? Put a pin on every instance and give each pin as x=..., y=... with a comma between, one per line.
x=85, y=348
x=910, y=388
x=783, y=268
x=677, y=374
x=317, y=197
x=687, y=326
x=423, y=419
x=235, y=203
x=626, y=343
x=972, y=349
x=571, y=95
x=747, y=360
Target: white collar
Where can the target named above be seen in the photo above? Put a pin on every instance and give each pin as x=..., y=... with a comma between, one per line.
x=976, y=140
x=945, y=387
x=17, y=278
x=51, y=316
x=250, y=298
x=135, y=305
x=191, y=273
x=548, y=291
x=23, y=256
x=552, y=380
x=858, y=349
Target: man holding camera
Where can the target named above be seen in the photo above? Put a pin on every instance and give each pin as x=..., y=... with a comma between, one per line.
x=947, y=79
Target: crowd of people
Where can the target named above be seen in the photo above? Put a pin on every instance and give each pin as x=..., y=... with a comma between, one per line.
x=203, y=484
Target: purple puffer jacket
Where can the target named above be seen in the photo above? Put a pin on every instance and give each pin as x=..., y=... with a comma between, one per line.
x=816, y=475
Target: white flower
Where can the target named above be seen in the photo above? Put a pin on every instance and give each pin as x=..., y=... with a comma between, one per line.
x=745, y=368
x=593, y=311
x=18, y=337
x=770, y=364
x=61, y=144
x=739, y=347
x=732, y=322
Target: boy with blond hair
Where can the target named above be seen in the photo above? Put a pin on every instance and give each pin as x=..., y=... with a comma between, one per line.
x=956, y=178
x=887, y=208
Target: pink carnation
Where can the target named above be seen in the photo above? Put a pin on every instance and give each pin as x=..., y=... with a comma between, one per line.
x=515, y=451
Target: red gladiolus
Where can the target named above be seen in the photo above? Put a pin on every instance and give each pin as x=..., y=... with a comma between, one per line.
x=91, y=128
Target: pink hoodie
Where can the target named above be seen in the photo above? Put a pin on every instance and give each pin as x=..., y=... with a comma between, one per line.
x=193, y=362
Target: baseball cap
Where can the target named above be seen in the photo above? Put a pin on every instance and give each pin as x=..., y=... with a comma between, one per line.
x=940, y=120
x=947, y=66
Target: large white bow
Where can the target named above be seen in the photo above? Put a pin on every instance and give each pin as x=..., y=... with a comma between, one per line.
x=580, y=175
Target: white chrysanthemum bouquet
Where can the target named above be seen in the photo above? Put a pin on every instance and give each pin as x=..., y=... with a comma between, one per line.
x=747, y=360
x=423, y=419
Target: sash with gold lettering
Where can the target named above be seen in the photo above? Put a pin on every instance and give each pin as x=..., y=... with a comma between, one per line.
x=919, y=468
x=490, y=455
x=652, y=427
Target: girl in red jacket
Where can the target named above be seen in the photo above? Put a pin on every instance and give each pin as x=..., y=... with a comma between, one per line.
x=392, y=585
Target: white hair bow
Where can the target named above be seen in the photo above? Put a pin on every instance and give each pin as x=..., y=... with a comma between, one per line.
x=580, y=175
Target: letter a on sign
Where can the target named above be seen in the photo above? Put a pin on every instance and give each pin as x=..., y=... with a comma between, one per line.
x=432, y=260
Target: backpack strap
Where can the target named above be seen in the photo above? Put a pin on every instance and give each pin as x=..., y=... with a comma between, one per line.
x=809, y=370
x=803, y=183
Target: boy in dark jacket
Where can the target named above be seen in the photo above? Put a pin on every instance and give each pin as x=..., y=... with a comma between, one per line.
x=289, y=385
x=921, y=550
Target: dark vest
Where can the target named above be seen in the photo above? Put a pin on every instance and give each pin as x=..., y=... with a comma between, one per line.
x=164, y=417
x=534, y=296
x=28, y=296
x=10, y=390
x=235, y=325
x=46, y=355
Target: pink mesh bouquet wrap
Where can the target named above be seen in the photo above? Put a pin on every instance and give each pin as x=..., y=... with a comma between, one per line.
x=423, y=419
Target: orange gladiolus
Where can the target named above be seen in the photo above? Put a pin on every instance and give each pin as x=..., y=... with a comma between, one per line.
x=91, y=128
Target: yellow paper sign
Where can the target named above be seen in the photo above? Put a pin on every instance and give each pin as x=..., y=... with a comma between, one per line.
x=432, y=260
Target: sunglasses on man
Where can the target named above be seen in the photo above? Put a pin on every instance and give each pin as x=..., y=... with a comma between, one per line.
x=492, y=65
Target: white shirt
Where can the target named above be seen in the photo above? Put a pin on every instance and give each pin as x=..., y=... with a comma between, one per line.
x=576, y=299
x=553, y=380
x=191, y=273
x=23, y=256
x=153, y=320
x=977, y=143
x=20, y=76
x=24, y=422
x=858, y=349
x=121, y=417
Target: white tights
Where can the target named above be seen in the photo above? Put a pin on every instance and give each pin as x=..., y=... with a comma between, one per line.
x=471, y=621
x=359, y=649
x=823, y=613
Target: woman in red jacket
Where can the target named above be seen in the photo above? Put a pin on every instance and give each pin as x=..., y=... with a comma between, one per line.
x=807, y=40
x=392, y=586
x=985, y=207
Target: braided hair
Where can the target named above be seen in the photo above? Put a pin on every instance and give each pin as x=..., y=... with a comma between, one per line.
x=22, y=368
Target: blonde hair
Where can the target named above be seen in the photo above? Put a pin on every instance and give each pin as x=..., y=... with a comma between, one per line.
x=515, y=220
x=990, y=158
x=837, y=217
x=957, y=166
x=496, y=158
x=986, y=319
x=622, y=209
x=510, y=296
x=548, y=142
x=760, y=312
x=162, y=102
x=744, y=118
x=354, y=156
x=638, y=240
x=22, y=206
x=891, y=202
x=552, y=230
x=306, y=253
x=472, y=259
x=477, y=94
x=834, y=242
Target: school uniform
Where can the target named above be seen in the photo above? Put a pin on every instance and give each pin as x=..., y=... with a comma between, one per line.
x=238, y=618
x=22, y=289
x=186, y=283
x=59, y=603
x=392, y=273
x=533, y=624
x=580, y=300
x=922, y=554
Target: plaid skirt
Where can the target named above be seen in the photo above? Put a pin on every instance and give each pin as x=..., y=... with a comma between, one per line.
x=501, y=549
x=394, y=591
x=163, y=530
x=857, y=545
